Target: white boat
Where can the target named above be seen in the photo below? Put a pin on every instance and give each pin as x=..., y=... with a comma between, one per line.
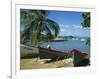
x=82, y=39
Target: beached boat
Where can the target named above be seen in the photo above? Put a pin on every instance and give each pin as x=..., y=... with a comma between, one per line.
x=79, y=58
x=51, y=53
x=28, y=51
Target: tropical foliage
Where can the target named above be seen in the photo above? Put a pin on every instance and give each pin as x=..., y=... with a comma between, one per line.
x=37, y=26
x=88, y=41
x=86, y=19
x=86, y=23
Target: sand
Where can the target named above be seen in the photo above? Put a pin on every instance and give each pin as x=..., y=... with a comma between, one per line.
x=36, y=63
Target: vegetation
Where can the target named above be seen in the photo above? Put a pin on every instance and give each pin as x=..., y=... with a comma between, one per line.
x=37, y=26
x=88, y=41
x=86, y=23
x=86, y=19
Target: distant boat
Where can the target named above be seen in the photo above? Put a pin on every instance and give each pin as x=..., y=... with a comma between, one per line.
x=82, y=39
x=74, y=38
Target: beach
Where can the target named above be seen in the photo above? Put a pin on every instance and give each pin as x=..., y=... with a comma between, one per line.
x=34, y=63
x=37, y=58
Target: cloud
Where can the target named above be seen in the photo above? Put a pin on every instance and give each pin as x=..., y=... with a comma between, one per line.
x=75, y=30
x=77, y=26
x=62, y=30
x=73, y=26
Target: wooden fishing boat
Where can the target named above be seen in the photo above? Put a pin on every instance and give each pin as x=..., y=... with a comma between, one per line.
x=28, y=51
x=51, y=53
x=79, y=58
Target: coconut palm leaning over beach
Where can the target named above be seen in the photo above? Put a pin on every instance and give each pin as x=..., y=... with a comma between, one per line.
x=37, y=26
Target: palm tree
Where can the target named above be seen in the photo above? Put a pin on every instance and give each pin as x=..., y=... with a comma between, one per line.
x=36, y=24
x=86, y=23
x=86, y=19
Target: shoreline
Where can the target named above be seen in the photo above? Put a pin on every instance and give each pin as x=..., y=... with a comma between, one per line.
x=38, y=58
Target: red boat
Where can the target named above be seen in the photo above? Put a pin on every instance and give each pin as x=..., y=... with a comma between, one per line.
x=51, y=53
x=79, y=58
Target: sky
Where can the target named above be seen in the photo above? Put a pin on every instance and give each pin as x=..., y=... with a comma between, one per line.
x=70, y=23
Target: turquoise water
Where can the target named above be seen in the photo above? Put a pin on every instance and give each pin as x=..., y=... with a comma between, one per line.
x=69, y=45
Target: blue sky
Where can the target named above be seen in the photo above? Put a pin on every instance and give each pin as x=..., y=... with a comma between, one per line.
x=70, y=23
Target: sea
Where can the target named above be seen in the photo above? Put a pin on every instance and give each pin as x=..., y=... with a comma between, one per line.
x=68, y=45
